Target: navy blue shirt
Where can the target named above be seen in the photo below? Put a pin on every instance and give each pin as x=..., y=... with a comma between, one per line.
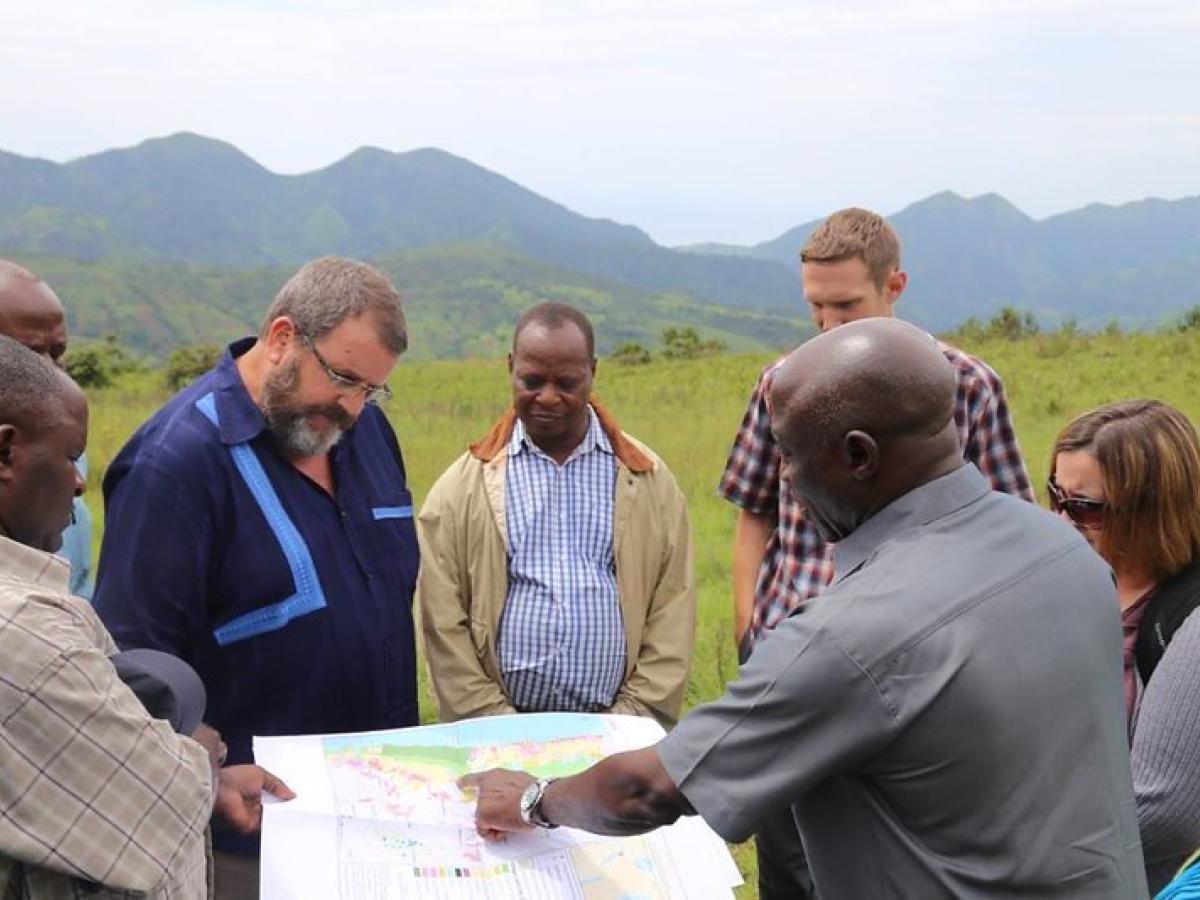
x=293, y=605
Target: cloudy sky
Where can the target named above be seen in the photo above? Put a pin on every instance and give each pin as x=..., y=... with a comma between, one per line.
x=694, y=119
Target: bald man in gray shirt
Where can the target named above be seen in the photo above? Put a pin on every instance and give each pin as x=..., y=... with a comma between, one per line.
x=945, y=725
x=946, y=720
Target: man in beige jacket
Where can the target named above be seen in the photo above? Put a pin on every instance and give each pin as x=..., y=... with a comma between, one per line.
x=556, y=569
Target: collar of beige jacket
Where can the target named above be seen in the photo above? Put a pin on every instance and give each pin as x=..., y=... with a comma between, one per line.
x=500, y=434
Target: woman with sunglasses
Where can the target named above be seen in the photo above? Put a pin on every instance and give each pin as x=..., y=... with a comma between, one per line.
x=1127, y=475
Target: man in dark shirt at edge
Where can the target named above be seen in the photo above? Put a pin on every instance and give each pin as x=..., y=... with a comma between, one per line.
x=259, y=526
x=946, y=718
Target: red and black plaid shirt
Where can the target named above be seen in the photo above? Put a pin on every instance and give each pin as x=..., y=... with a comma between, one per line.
x=798, y=564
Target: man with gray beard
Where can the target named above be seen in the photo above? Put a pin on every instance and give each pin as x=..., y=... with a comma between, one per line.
x=260, y=527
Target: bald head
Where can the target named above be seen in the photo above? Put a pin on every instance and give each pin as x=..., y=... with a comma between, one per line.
x=31, y=313
x=881, y=375
x=864, y=414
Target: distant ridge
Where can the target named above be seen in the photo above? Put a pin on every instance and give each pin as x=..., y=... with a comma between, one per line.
x=1139, y=262
x=187, y=198
x=461, y=300
x=189, y=219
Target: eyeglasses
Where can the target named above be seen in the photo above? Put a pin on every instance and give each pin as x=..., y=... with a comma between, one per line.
x=1083, y=511
x=374, y=393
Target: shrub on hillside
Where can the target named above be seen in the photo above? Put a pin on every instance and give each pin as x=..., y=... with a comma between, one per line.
x=1190, y=320
x=686, y=343
x=1009, y=324
x=94, y=364
x=1012, y=324
x=189, y=363
x=1069, y=327
x=631, y=353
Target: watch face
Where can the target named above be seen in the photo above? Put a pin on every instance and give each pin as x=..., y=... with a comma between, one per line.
x=529, y=799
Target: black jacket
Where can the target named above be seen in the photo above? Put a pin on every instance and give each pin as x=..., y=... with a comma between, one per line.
x=1171, y=604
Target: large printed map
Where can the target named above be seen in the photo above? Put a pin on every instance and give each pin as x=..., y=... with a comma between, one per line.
x=380, y=815
x=410, y=775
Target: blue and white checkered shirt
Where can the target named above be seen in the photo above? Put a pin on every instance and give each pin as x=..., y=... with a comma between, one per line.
x=562, y=639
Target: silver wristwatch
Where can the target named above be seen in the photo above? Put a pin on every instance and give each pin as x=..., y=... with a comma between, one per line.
x=531, y=804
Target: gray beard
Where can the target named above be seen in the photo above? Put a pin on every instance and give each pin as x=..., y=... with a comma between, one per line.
x=290, y=425
x=296, y=437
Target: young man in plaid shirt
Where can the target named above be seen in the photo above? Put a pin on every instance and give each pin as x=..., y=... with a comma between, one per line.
x=851, y=270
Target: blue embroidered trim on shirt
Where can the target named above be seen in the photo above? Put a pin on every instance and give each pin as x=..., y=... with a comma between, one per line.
x=391, y=512
x=308, y=597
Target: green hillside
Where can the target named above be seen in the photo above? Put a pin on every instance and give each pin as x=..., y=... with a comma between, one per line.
x=191, y=199
x=179, y=239
x=462, y=300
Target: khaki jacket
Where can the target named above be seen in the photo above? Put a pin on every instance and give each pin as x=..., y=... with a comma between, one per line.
x=463, y=583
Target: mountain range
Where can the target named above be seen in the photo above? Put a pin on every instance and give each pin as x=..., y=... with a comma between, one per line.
x=1138, y=263
x=184, y=239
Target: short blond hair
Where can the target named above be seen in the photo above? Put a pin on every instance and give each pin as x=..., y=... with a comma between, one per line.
x=856, y=234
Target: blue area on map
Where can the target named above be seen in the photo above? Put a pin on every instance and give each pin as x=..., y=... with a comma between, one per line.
x=488, y=731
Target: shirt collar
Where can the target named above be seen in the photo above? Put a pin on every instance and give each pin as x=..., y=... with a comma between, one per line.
x=595, y=439
x=920, y=506
x=33, y=565
x=241, y=420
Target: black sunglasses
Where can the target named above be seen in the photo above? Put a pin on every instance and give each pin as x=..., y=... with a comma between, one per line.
x=1083, y=511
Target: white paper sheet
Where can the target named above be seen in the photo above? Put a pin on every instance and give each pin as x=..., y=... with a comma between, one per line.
x=378, y=816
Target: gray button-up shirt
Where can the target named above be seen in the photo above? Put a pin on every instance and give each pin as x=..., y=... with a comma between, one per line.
x=946, y=719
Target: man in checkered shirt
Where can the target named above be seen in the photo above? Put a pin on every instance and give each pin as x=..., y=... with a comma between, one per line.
x=97, y=798
x=851, y=270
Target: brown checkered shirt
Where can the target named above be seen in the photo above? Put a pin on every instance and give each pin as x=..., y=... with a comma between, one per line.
x=798, y=564
x=97, y=799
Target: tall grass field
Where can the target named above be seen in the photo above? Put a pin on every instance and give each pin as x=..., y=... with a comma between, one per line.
x=689, y=411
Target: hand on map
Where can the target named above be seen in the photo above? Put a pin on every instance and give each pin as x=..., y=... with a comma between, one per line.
x=239, y=796
x=498, y=810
